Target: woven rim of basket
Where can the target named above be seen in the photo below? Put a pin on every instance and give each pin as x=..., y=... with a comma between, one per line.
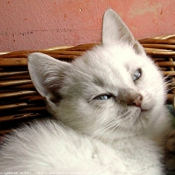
x=161, y=49
x=15, y=82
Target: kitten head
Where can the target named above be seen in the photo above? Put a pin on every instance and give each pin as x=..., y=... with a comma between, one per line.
x=113, y=88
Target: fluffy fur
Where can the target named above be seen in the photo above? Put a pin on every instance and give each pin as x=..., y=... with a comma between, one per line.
x=109, y=106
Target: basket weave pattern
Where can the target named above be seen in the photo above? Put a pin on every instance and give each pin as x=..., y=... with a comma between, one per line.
x=19, y=101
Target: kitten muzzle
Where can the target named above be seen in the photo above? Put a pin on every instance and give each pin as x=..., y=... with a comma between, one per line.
x=137, y=101
x=134, y=99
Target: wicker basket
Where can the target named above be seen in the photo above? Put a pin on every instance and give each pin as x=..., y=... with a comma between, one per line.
x=20, y=102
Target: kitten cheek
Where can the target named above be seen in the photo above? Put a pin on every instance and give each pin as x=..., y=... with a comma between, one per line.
x=147, y=104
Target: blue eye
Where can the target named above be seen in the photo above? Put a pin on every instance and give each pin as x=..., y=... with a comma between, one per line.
x=137, y=74
x=103, y=97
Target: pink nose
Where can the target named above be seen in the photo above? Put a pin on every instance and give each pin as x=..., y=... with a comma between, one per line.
x=134, y=99
x=137, y=101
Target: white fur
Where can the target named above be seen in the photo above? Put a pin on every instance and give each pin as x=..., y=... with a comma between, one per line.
x=107, y=137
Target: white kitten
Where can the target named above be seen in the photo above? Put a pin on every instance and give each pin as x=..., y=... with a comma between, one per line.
x=110, y=109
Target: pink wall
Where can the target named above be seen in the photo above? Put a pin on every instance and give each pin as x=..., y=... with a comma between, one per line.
x=34, y=24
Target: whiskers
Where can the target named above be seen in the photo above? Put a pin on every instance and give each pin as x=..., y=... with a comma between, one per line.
x=159, y=86
x=169, y=83
x=108, y=127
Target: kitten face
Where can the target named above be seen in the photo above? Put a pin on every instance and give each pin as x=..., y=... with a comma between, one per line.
x=114, y=87
x=96, y=89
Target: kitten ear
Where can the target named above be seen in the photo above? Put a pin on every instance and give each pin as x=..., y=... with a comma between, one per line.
x=115, y=30
x=46, y=74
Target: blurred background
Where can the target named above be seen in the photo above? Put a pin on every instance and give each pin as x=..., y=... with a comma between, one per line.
x=30, y=25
